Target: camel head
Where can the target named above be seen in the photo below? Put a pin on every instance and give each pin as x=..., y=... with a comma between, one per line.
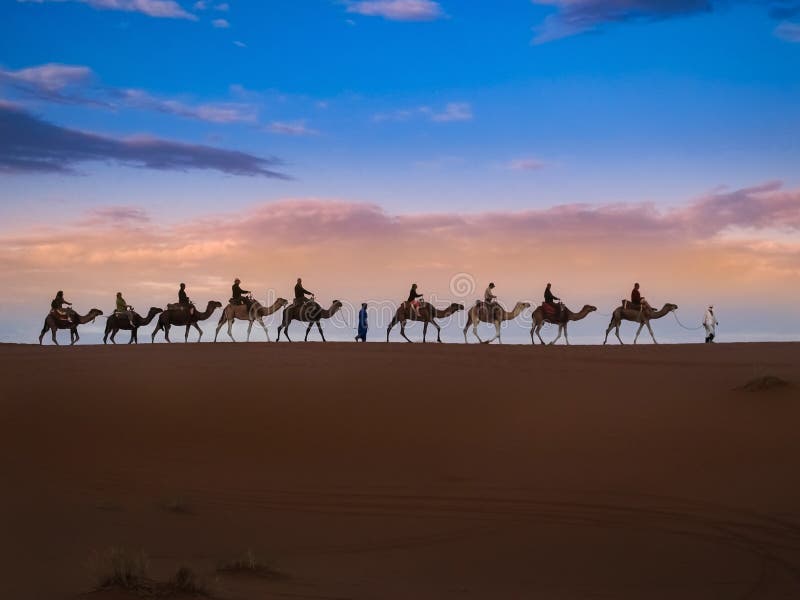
x=523, y=305
x=670, y=307
x=281, y=302
x=336, y=305
x=455, y=306
x=154, y=310
x=93, y=314
x=213, y=304
x=589, y=308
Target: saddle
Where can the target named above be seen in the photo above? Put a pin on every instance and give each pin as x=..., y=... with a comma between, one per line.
x=240, y=301
x=553, y=312
x=628, y=305
x=179, y=306
x=61, y=315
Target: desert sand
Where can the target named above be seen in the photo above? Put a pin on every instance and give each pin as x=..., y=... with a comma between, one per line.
x=398, y=471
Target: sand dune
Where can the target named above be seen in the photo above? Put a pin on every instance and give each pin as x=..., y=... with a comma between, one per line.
x=398, y=471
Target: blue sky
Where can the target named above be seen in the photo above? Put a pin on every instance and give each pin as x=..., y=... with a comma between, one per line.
x=418, y=107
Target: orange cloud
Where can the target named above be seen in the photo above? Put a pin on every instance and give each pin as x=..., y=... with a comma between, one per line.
x=720, y=245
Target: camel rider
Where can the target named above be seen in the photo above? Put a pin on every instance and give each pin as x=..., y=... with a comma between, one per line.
x=124, y=309
x=412, y=299
x=183, y=299
x=57, y=306
x=300, y=293
x=637, y=300
x=488, y=295
x=550, y=299
x=237, y=293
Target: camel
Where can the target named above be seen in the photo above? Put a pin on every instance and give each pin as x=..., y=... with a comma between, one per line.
x=256, y=312
x=310, y=312
x=53, y=323
x=427, y=313
x=181, y=316
x=116, y=322
x=539, y=319
x=480, y=312
x=643, y=317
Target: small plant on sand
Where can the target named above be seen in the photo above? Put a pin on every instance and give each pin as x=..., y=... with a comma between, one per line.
x=249, y=564
x=178, y=506
x=120, y=568
x=186, y=582
x=765, y=383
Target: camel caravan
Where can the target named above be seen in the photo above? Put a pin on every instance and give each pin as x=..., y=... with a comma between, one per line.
x=304, y=308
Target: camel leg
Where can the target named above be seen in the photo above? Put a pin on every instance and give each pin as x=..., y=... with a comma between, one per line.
x=403, y=331
x=469, y=322
x=134, y=336
x=167, y=327
x=285, y=326
x=616, y=332
x=105, y=335
x=249, y=329
x=53, y=331
x=73, y=334
x=475, y=330
x=310, y=325
x=424, y=331
x=264, y=327
x=558, y=337
x=650, y=329
x=496, y=333
x=320, y=331
x=199, y=331
x=539, y=332
x=638, y=331
x=566, y=337
x=230, y=329
x=438, y=331
x=532, y=331
x=219, y=326
x=391, y=325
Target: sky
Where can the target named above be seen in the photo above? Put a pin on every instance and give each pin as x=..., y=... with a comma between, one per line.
x=368, y=144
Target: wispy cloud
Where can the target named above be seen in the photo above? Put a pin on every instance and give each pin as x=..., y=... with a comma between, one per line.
x=75, y=84
x=164, y=9
x=788, y=31
x=579, y=16
x=298, y=128
x=221, y=23
x=526, y=164
x=398, y=10
x=223, y=112
x=29, y=144
x=452, y=111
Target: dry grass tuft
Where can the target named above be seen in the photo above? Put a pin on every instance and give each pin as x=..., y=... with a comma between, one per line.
x=186, y=582
x=249, y=564
x=119, y=568
x=765, y=383
x=177, y=506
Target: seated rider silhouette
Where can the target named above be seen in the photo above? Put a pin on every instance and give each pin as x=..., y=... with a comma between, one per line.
x=123, y=309
x=412, y=299
x=300, y=293
x=637, y=300
x=57, y=307
x=550, y=300
x=237, y=293
x=488, y=296
x=183, y=300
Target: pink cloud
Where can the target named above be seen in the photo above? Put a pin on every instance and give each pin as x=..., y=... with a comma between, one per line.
x=398, y=10
x=165, y=9
x=297, y=128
